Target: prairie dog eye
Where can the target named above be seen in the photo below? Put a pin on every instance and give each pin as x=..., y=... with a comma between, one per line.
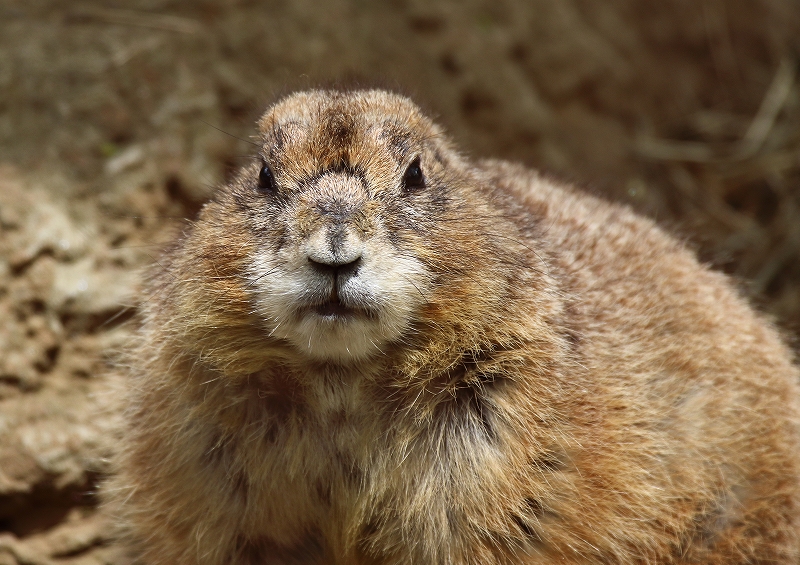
x=266, y=180
x=413, y=178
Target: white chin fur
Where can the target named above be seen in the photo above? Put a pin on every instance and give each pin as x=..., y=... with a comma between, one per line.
x=392, y=288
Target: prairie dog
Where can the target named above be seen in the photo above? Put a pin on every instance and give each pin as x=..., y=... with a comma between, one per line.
x=370, y=350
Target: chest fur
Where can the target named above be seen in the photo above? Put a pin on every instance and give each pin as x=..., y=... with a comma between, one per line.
x=290, y=454
x=334, y=455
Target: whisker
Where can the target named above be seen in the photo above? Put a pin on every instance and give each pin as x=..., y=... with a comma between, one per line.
x=124, y=310
x=231, y=135
x=249, y=286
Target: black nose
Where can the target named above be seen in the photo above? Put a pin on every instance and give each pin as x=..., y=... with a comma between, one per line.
x=335, y=266
x=335, y=249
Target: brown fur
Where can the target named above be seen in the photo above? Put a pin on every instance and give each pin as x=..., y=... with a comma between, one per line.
x=545, y=377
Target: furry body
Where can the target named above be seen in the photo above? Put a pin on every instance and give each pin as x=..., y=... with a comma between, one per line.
x=341, y=363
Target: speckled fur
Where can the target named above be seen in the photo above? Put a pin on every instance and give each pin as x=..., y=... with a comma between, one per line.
x=543, y=377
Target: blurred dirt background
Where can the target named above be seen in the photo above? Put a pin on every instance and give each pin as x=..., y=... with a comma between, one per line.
x=112, y=133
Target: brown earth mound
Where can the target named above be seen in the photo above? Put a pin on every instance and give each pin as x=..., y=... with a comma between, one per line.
x=114, y=123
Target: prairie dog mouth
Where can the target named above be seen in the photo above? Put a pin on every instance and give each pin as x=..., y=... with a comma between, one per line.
x=342, y=307
x=333, y=308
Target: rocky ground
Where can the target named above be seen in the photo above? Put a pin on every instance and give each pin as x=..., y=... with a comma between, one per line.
x=117, y=119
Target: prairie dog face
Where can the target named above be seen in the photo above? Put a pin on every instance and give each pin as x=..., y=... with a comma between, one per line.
x=339, y=204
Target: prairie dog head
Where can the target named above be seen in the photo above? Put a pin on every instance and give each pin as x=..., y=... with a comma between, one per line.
x=355, y=211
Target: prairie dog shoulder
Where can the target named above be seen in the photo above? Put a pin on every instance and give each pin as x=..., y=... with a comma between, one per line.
x=369, y=349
